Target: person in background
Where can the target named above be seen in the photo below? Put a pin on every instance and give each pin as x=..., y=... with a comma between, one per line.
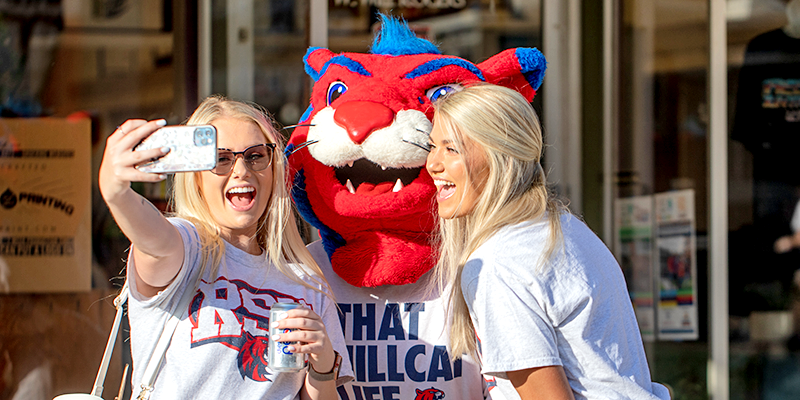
x=535, y=294
x=786, y=243
x=234, y=242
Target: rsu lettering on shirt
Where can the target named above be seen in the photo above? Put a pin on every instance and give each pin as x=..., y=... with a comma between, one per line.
x=236, y=315
x=392, y=352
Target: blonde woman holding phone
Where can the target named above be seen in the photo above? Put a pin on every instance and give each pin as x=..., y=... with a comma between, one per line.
x=234, y=243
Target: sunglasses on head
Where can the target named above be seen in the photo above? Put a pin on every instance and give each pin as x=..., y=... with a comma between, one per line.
x=256, y=158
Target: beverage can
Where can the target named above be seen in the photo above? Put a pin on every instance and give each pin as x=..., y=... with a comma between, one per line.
x=279, y=358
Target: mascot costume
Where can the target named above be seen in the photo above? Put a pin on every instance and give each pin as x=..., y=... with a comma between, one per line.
x=357, y=161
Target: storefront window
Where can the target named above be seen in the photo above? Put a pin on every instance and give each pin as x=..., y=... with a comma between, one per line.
x=661, y=189
x=472, y=29
x=70, y=72
x=764, y=94
x=280, y=33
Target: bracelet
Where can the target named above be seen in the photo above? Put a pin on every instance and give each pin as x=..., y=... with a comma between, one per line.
x=333, y=374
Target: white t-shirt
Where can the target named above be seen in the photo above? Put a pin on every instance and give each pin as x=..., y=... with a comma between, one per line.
x=218, y=350
x=575, y=312
x=397, y=343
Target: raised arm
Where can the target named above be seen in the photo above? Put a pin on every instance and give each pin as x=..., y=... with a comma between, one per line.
x=157, y=247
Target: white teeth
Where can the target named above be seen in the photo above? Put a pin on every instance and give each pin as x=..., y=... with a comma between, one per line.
x=441, y=183
x=241, y=190
x=349, y=186
x=350, y=164
x=398, y=186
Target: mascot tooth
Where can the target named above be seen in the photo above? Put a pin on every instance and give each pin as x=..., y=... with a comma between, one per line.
x=357, y=162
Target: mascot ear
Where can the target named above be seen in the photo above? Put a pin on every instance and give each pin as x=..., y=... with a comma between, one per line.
x=315, y=60
x=521, y=69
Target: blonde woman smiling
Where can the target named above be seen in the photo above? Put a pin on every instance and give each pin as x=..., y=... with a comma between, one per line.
x=535, y=293
x=234, y=242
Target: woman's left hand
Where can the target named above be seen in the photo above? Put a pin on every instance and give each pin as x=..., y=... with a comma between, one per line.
x=312, y=337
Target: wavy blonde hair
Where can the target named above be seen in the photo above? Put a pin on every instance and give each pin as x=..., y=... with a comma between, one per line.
x=277, y=230
x=500, y=123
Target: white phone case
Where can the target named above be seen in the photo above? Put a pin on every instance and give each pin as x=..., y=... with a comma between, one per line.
x=192, y=148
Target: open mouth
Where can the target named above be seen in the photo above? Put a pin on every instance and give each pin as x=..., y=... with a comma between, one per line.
x=367, y=178
x=241, y=198
x=444, y=189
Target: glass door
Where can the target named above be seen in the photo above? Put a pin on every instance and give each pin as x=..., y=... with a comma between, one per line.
x=660, y=185
x=253, y=50
x=763, y=43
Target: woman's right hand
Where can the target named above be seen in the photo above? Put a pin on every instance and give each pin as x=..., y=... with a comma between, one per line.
x=117, y=169
x=157, y=251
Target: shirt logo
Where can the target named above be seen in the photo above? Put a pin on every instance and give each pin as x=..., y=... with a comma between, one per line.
x=429, y=394
x=236, y=315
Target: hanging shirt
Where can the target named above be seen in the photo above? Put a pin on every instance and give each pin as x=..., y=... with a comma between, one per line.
x=767, y=119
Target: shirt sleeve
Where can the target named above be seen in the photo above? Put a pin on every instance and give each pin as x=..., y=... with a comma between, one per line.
x=513, y=329
x=191, y=257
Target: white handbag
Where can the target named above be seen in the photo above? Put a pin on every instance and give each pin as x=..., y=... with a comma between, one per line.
x=156, y=358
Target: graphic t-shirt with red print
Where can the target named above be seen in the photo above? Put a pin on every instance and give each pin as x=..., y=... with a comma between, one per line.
x=218, y=350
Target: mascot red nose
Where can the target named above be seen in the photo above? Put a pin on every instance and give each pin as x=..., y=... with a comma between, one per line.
x=358, y=159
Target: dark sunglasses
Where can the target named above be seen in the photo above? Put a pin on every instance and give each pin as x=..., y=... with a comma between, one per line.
x=256, y=158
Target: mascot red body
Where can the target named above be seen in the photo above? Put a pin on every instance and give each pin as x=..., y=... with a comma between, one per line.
x=358, y=160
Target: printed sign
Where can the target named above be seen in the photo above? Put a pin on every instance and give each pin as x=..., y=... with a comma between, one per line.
x=634, y=249
x=431, y=4
x=45, y=205
x=677, y=260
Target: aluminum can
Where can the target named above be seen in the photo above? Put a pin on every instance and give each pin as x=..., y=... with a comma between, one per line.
x=279, y=358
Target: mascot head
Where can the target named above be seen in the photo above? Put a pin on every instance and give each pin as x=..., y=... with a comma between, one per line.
x=358, y=159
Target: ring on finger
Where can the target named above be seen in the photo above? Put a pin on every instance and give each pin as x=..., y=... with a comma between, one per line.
x=119, y=128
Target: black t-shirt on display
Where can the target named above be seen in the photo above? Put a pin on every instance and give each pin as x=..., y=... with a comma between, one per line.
x=767, y=119
x=767, y=122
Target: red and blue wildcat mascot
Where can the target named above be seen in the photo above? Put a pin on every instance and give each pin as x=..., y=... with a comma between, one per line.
x=357, y=163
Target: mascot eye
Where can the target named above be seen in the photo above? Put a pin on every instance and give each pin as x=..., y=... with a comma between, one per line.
x=335, y=90
x=437, y=92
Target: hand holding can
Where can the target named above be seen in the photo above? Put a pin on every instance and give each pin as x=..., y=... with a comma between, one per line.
x=280, y=355
x=296, y=330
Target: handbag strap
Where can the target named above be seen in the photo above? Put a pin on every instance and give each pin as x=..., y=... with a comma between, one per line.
x=150, y=372
x=97, y=389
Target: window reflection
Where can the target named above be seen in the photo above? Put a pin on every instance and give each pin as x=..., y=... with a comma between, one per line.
x=661, y=187
x=764, y=76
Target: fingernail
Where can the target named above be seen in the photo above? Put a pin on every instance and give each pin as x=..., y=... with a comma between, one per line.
x=282, y=316
x=162, y=176
x=165, y=149
x=276, y=338
x=274, y=324
x=290, y=348
x=161, y=122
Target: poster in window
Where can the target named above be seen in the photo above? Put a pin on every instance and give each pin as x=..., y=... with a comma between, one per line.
x=677, y=265
x=634, y=250
x=45, y=205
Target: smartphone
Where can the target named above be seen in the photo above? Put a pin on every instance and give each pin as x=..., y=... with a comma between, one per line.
x=192, y=148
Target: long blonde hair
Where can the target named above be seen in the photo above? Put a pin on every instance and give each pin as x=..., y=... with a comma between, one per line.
x=277, y=230
x=503, y=125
